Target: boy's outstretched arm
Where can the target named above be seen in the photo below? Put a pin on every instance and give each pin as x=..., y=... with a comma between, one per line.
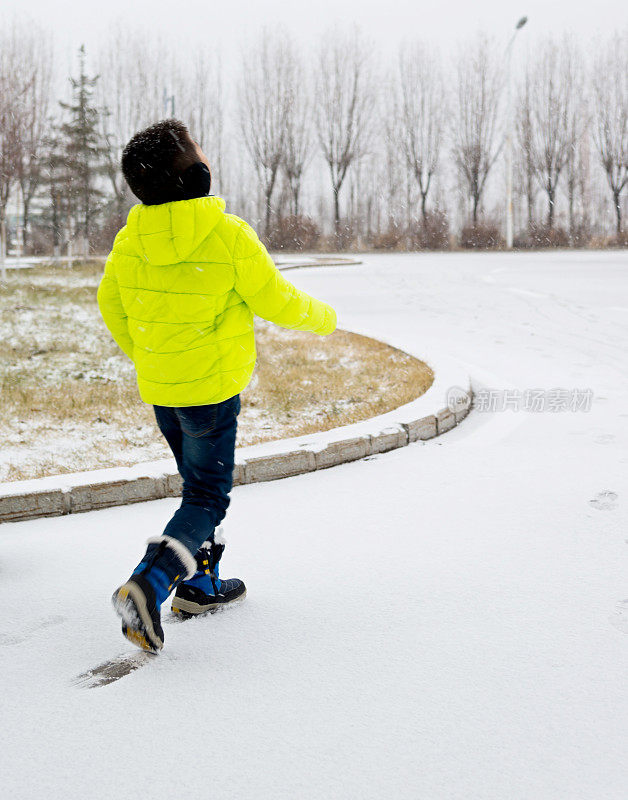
x=269, y=295
x=112, y=311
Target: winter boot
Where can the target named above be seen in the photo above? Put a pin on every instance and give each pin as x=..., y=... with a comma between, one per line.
x=206, y=591
x=138, y=601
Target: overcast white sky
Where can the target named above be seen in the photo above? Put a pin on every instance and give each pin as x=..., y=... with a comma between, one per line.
x=227, y=23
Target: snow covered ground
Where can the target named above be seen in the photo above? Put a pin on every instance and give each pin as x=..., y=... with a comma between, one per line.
x=444, y=621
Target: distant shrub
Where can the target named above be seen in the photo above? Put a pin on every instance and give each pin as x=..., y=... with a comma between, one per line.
x=602, y=242
x=484, y=235
x=40, y=241
x=346, y=239
x=102, y=239
x=580, y=236
x=391, y=239
x=542, y=236
x=347, y=236
x=432, y=233
x=294, y=232
x=619, y=240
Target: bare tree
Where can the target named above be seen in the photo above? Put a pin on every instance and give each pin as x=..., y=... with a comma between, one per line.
x=525, y=159
x=131, y=104
x=610, y=89
x=421, y=100
x=553, y=100
x=16, y=82
x=262, y=106
x=298, y=126
x=345, y=107
x=391, y=181
x=37, y=61
x=475, y=131
x=196, y=94
x=576, y=169
x=576, y=122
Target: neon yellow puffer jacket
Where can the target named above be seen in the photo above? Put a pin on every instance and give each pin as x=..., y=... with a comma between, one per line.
x=180, y=288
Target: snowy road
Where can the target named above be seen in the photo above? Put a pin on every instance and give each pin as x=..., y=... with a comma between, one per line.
x=440, y=622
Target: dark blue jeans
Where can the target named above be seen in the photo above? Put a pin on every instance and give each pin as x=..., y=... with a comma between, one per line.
x=202, y=439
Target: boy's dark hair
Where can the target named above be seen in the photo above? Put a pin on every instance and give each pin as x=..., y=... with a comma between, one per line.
x=154, y=159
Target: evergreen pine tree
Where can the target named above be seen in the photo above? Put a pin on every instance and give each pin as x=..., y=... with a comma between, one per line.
x=80, y=153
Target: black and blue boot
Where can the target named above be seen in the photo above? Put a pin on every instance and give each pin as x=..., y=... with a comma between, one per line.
x=166, y=563
x=206, y=591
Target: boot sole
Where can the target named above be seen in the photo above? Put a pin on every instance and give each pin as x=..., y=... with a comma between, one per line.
x=187, y=608
x=129, y=604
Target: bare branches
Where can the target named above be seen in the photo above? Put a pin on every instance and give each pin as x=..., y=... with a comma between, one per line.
x=421, y=107
x=610, y=130
x=25, y=75
x=17, y=77
x=131, y=104
x=476, y=138
x=36, y=58
x=525, y=161
x=299, y=126
x=553, y=95
x=345, y=97
x=203, y=109
x=263, y=97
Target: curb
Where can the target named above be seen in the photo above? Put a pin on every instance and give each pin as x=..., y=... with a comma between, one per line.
x=316, y=261
x=445, y=404
x=296, y=262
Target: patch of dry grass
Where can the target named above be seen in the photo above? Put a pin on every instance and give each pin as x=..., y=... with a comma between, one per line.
x=69, y=400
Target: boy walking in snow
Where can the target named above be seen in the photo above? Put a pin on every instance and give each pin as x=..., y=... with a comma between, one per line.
x=179, y=291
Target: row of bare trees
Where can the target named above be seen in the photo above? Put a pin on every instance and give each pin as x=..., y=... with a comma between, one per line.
x=566, y=105
x=420, y=135
x=284, y=113
x=25, y=93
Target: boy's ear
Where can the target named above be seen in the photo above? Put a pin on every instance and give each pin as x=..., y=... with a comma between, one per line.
x=195, y=181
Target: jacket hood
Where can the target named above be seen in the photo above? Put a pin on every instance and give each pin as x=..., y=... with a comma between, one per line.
x=168, y=233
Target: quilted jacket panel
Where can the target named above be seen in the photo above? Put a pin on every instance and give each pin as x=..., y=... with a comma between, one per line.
x=180, y=288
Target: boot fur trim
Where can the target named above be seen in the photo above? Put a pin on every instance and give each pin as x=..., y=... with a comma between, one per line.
x=219, y=535
x=181, y=551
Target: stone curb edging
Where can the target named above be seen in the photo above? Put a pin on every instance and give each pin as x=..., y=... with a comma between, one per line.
x=428, y=416
x=317, y=261
x=297, y=262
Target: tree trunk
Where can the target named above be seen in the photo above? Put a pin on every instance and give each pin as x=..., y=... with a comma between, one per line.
x=550, y=208
x=617, y=199
x=267, y=212
x=56, y=225
x=423, y=206
x=570, y=197
x=337, y=214
x=476, y=202
x=3, y=233
x=26, y=204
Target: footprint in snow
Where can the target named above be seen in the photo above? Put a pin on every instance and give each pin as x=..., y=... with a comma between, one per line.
x=604, y=501
x=7, y=639
x=619, y=618
x=604, y=438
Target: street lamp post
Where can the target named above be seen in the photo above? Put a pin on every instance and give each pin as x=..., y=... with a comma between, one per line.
x=509, y=126
x=168, y=100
